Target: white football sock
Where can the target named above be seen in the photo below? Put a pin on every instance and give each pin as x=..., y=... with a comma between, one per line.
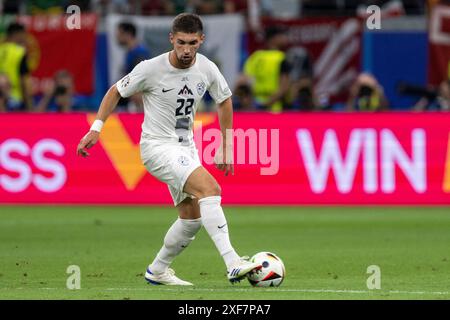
x=215, y=224
x=179, y=236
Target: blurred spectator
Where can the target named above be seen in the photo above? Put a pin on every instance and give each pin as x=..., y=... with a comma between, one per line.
x=235, y=6
x=366, y=94
x=273, y=8
x=136, y=52
x=431, y=98
x=443, y=97
x=173, y=7
x=301, y=92
x=267, y=72
x=58, y=94
x=304, y=98
x=105, y=7
x=5, y=92
x=35, y=7
x=205, y=7
x=84, y=5
x=44, y=6
x=414, y=6
x=12, y=6
x=158, y=7
x=348, y=7
x=127, y=39
x=13, y=63
x=243, y=98
x=300, y=63
x=438, y=99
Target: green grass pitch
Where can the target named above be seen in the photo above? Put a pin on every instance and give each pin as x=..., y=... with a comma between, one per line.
x=326, y=251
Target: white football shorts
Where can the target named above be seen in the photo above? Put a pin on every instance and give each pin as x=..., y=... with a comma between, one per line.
x=170, y=163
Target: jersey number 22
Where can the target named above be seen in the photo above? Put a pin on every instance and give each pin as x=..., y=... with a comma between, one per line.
x=186, y=104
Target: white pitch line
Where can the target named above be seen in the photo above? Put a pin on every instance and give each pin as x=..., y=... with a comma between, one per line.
x=254, y=290
x=283, y=290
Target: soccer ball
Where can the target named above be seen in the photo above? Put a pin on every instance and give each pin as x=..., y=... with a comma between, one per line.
x=272, y=272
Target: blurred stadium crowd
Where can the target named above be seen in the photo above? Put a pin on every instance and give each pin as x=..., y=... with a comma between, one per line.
x=284, y=8
x=273, y=78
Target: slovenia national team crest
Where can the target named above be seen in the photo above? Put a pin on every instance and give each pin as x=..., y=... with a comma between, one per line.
x=184, y=161
x=201, y=87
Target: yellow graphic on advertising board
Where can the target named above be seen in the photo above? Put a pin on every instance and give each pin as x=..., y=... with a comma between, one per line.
x=446, y=185
x=124, y=153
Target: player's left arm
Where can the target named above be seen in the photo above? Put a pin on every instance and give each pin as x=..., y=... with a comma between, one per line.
x=225, y=160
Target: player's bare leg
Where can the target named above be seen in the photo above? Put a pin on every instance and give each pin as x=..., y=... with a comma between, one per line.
x=189, y=209
x=179, y=236
x=203, y=186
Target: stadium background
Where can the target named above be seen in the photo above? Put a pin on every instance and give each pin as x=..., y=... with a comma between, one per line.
x=326, y=157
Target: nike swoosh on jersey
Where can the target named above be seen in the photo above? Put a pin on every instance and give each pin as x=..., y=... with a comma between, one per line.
x=164, y=90
x=220, y=227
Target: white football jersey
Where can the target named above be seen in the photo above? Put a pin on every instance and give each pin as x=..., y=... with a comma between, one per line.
x=171, y=95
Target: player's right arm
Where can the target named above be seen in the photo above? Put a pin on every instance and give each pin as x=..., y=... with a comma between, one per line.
x=132, y=83
x=107, y=106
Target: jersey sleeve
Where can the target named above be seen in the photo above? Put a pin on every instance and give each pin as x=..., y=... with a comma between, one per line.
x=218, y=89
x=133, y=82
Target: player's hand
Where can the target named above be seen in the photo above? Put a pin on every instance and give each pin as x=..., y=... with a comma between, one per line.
x=224, y=160
x=227, y=168
x=87, y=142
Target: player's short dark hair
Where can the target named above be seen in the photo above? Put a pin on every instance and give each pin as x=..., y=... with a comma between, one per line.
x=14, y=28
x=187, y=23
x=128, y=27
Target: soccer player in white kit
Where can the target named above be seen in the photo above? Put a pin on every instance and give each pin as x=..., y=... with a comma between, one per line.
x=172, y=86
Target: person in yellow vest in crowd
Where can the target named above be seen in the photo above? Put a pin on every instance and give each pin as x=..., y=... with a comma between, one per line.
x=13, y=64
x=267, y=72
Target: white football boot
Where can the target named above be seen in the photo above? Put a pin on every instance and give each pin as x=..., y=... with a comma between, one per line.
x=239, y=269
x=167, y=278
